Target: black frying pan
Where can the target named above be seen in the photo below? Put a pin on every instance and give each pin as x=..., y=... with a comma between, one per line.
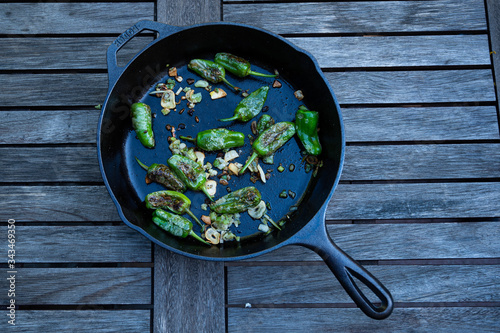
x=124, y=179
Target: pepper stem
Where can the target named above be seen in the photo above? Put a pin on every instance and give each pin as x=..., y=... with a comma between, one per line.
x=190, y=213
x=229, y=84
x=188, y=139
x=271, y=220
x=194, y=235
x=261, y=74
x=229, y=119
x=250, y=160
x=204, y=190
x=144, y=166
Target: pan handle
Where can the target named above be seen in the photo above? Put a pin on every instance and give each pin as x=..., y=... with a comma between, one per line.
x=347, y=270
x=163, y=30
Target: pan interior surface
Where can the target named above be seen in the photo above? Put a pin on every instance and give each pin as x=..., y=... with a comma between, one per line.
x=119, y=145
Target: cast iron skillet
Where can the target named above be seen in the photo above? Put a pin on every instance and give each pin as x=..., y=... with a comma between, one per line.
x=124, y=179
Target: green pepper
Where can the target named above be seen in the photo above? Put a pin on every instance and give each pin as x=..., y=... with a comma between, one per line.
x=210, y=71
x=306, y=124
x=265, y=121
x=269, y=141
x=176, y=225
x=237, y=65
x=174, y=201
x=237, y=201
x=217, y=139
x=189, y=172
x=250, y=106
x=162, y=174
x=143, y=124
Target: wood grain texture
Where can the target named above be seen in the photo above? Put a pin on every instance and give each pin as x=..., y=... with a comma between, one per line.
x=96, y=320
x=431, y=319
x=76, y=164
x=440, y=86
x=278, y=284
x=404, y=241
x=394, y=51
x=52, y=127
x=89, y=244
x=360, y=17
x=79, y=52
x=24, y=19
x=420, y=124
x=493, y=9
x=188, y=293
x=106, y=285
x=421, y=162
x=407, y=201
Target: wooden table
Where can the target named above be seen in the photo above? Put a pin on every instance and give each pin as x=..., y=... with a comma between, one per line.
x=418, y=201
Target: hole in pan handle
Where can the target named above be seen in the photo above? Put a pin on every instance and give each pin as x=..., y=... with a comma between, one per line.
x=346, y=270
x=161, y=29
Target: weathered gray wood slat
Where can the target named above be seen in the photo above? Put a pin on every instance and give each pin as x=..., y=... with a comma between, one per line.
x=96, y=320
x=493, y=10
x=350, y=87
x=350, y=201
x=413, y=86
x=78, y=52
x=76, y=164
x=361, y=125
x=426, y=319
x=52, y=127
x=431, y=161
x=346, y=17
x=421, y=162
x=66, y=244
x=89, y=53
x=72, y=18
x=106, y=285
x=404, y=241
x=428, y=123
x=393, y=51
x=280, y=284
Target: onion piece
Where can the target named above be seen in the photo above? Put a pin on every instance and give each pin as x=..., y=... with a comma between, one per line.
x=258, y=211
x=168, y=99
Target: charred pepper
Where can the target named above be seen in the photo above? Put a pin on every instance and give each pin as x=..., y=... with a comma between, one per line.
x=143, y=124
x=176, y=225
x=189, y=172
x=250, y=106
x=265, y=121
x=306, y=125
x=237, y=65
x=269, y=141
x=174, y=201
x=237, y=201
x=162, y=174
x=210, y=71
x=217, y=139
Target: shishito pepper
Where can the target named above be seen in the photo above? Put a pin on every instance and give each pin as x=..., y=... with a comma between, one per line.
x=162, y=174
x=269, y=141
x=217, y=139
x=306, y=125
x=210, y=71
x=189, y=172
x=174, y=201
x=250, y=106
x=176, y=225
x=237, y=65
x=265, y=121
x=237, y=201
x=142, y=123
